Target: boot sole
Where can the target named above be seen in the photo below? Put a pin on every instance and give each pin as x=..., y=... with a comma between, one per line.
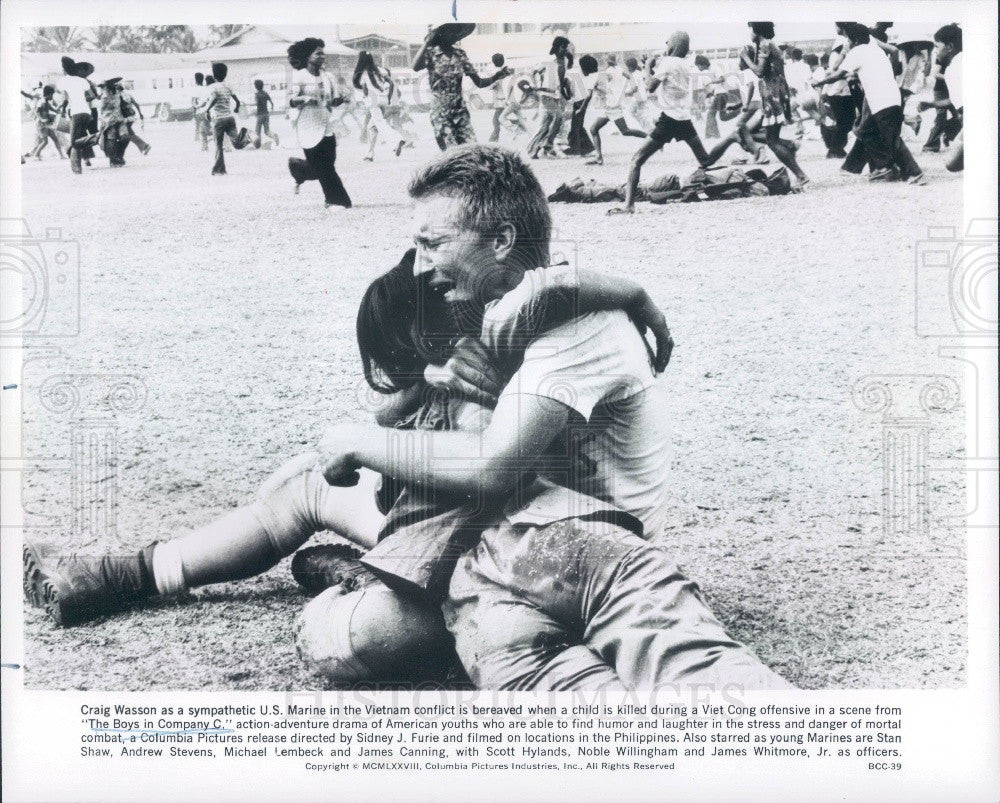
x=39, y=589
x=339, y=567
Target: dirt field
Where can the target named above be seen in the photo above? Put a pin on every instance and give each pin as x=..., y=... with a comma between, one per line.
x=226, y=307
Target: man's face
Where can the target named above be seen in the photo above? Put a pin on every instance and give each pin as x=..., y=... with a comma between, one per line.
x=462, y=263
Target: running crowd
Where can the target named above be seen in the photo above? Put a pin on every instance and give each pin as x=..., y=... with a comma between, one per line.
x=507, y=527
x=865, y=85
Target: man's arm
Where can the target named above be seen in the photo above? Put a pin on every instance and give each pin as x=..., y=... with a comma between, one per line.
x=839, y=75
x=481, y=82
x=463, y=463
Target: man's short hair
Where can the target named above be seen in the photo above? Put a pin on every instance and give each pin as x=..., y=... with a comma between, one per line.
x=811, y=59
x=496, y=187
x=199, y=78
x=702, y=62
x=497, y=59
x=950, y=35
x=258, y=84
x=632, y=63
x=219, y=71
x=796, y=53
x=588, y=65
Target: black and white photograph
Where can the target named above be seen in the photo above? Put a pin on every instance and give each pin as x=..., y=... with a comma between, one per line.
x=462, y=351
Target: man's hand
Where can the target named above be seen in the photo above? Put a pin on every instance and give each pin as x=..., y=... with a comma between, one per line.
x=647, y=315
x=337, y=450
x=468, y=373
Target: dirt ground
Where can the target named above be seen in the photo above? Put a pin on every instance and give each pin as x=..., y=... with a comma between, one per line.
x=217, y=339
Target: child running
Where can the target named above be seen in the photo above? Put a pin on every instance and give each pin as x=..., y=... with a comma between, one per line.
x=261, y=98
x=221, y=105
x=609, y=87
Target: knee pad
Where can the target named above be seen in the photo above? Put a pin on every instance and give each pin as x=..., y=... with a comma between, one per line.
x=373, y=633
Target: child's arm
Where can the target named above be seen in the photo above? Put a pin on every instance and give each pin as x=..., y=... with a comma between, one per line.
x=270, y=100
x=548, y=297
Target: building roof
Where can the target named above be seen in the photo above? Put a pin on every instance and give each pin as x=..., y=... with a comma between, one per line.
x=47, y=66
x=266, y=41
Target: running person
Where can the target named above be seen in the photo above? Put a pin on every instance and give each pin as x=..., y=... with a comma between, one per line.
x=446, y=66
x=377, y=88
x=201, y=125
x=609, y=87
x=949, y=55
x=46, y=114
x=113, y=132
x=878, y=133
x=314, y=94
x=767, y=63
x=78, y=93
x=261, y=100
x=131, y=109
x=221, y=106
x=669, y=77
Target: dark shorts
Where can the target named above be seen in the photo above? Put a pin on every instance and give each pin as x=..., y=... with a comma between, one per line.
x=667, y=129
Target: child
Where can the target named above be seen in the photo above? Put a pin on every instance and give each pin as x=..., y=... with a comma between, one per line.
x=609, y=86
x=45, y=112
x=221, y=105
x=263, y=115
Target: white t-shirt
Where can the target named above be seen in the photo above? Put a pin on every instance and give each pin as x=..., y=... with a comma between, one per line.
x=673, y=95
x=314, y=121
x=797, y=76
x=836, y=57
x=614, y=82
x=75, y=88
x=599, y=366
x=638, y=80
x=953, y=79
x=875, y=74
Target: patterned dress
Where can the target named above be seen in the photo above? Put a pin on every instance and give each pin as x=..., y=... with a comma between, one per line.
x=774, y=95
x=449, y=114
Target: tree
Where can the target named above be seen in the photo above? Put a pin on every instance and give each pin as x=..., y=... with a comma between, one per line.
x=170, y=38
x=222, y=32
x=55, y=39
x=103, y=37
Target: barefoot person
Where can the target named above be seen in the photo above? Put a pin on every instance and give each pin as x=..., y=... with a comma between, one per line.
x=668, y=80
x=378, y=88
x=313, y=94
x=609, y=88
x=765, y=60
